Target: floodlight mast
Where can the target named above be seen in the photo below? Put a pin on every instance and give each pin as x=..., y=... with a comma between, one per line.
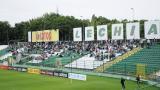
x=83, y=33
x=133, y=14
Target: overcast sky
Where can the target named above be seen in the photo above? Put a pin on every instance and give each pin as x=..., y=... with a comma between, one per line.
x=16, y=11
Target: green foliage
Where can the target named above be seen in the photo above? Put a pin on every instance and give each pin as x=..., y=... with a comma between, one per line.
x=4, y=30
x=55, y=21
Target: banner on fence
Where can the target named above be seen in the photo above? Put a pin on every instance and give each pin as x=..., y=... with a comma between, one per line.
x=63, y=74
x=4, y=67
x=77, y=76
x=33, y=71
x=20, y=69
x=47, y=72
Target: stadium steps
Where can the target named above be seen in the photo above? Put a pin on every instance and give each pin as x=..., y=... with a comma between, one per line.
x=66, y=59
x=118, y=59
x=85, y=62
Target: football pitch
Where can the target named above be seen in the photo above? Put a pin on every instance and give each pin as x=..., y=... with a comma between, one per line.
x=12, y=80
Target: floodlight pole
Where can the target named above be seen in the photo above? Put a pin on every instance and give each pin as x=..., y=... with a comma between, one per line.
x=83, y=33
x=133, y=13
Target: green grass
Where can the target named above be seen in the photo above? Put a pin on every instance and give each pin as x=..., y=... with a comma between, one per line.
x=12, y=80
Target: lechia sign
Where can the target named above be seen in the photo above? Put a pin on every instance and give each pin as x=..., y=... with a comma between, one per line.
x=151, y=31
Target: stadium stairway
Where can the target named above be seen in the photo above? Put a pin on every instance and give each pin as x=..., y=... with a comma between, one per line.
x=54, y=60
x=86, y=62
x=106, y=65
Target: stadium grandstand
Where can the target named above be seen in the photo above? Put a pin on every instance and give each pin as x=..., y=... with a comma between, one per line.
x=107, y=57
x=113, y=58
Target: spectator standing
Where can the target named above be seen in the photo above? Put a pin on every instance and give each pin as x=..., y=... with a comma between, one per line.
x=138, y=80
x=123, y=83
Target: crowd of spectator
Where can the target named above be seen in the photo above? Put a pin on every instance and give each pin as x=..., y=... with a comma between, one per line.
x=99, y=49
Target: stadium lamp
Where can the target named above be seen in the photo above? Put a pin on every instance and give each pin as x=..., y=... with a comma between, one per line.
x=83, y=30
x=133, y=13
